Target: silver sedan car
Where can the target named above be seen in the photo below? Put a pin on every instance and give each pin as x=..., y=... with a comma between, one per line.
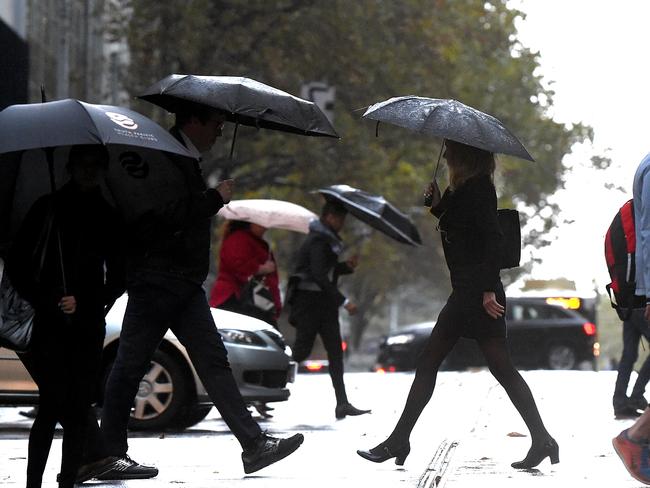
x=171, y=394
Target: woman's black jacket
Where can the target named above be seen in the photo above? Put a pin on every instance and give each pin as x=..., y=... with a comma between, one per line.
x=91, y=242
x=470, y=234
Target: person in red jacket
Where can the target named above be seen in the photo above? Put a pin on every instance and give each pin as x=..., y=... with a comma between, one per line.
x=244, y=255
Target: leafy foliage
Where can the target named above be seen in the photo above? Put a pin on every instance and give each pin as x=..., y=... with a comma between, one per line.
x=369, y=50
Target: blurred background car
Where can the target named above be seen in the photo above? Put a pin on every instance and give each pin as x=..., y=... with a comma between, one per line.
x=317, y=361
x=171, y=394
x=543, y=333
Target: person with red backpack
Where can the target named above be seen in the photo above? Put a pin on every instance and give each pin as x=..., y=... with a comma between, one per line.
x=635, y=327
x=632, y=445
x=620, y=254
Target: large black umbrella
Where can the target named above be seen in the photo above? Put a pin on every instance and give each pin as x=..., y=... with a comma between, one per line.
x=69, y=122
x=244, y=101
x=35, y=141
x=449, y=119
x=375, y=211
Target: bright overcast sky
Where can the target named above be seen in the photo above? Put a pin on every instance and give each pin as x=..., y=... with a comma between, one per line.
x=597, y=54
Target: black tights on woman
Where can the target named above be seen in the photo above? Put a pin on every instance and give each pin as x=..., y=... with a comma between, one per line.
x=495, y=350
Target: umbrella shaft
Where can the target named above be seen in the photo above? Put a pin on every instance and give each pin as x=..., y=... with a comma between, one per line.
x=442, y=148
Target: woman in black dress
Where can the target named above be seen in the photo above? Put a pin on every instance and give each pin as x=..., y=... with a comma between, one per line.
x=467, y=214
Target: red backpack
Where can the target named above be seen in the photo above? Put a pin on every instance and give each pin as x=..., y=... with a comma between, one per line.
x=620, y=247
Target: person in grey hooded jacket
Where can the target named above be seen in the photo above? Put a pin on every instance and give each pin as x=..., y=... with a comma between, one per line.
x=315, y=299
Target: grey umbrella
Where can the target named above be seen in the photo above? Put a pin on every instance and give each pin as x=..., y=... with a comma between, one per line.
x=244, y=101
x=449, y=119
x=375, y=211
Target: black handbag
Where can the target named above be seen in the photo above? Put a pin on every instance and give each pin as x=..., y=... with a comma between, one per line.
x=16, y=313
x=510, y=251
x=257, y=295
x=16, y=318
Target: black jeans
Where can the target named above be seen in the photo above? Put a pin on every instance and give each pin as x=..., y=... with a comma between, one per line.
x=633, y=329
x=156, y=304
x=64, y=362
x=313, y=313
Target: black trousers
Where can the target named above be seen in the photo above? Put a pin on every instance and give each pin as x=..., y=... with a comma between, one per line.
x=156, y=304
x=64, y=361
x=313, y=313
x=633, y=329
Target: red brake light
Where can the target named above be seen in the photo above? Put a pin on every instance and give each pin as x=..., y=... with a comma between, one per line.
x=386, y=369
x=344, y=346
x=589, y=328
x=314, y=366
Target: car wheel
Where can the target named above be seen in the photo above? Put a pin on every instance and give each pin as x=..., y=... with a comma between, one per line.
x=193, y=416
x=561, y=356
x=163, y=394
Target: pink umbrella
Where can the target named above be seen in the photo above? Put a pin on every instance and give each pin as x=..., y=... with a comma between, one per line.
x=272, y=214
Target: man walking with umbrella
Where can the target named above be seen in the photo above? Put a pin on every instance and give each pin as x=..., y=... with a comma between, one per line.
x=315, y=298
x=167, y=261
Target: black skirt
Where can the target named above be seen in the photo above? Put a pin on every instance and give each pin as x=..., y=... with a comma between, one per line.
x=464, y=315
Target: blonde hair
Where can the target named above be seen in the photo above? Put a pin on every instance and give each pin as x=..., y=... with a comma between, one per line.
x=468, y=161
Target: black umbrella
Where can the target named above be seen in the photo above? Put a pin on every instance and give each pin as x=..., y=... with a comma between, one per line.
x=244, y=101
x=449, y=119
x=375, y=211
x=35, y=140
x=69, y=122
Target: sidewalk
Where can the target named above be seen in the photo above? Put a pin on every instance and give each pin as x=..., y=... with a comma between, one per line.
x=463, y=439
x=576, y=407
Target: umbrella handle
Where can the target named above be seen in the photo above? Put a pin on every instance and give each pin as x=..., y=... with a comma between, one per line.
x=442, y=147
x=234, y=138
x=63, y=280
x=377, y=129
x=49, y=156
x=428, y=198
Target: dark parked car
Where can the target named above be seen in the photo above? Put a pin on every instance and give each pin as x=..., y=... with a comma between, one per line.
x=541, y=336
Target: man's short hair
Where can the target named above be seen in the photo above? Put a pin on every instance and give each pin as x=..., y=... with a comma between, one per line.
x=333, y=207
x=187, y=110
x=97, y=152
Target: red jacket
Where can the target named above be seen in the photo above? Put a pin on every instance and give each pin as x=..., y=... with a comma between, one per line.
x=240, y=257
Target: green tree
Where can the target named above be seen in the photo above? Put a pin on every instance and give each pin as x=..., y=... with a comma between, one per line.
x=369, y=50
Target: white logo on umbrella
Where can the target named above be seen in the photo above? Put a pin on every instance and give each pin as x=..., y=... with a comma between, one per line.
x=122, y=120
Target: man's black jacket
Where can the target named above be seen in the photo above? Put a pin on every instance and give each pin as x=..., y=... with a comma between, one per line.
x=175, y=239
x=317, y=263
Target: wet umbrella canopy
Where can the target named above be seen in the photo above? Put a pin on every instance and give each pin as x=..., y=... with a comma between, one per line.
x=34, y=145
x=449, y=119
x=244, y=101
x=375, y=211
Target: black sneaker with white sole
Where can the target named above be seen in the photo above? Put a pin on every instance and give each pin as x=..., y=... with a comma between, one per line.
x=268, y=450
x=94, y=469
x=126, y=468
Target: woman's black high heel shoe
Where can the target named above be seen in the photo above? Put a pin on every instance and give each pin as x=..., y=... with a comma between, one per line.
x=383, y=452
x=538, y=453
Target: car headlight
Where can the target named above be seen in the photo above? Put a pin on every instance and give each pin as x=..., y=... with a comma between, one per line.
x=245, y=337
x=400, y=339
